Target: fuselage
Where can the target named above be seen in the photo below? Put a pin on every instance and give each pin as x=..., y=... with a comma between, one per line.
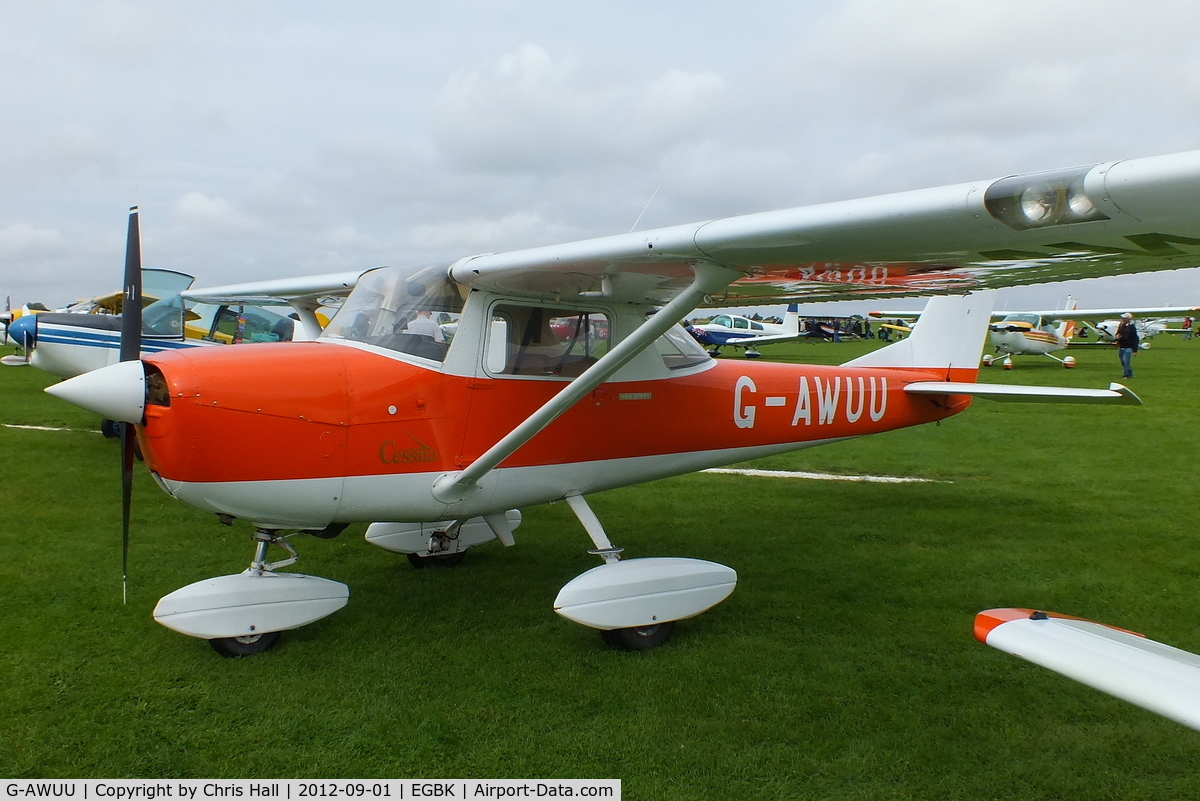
x=306, y=434
x=1024, y=333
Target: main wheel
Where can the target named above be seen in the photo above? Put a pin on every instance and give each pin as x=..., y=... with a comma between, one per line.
x=245, y=646
x=639, y=638
x=436, y=559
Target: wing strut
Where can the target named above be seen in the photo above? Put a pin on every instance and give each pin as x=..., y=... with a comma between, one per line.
x=710, y=279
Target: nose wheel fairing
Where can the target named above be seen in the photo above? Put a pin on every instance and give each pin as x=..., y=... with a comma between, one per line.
x=249, y=604
x=245, y=612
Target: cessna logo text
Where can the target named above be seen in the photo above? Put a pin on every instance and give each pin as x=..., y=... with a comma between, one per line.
x=390, y=454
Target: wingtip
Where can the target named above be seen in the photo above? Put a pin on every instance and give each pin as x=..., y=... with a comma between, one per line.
x=1127, y=395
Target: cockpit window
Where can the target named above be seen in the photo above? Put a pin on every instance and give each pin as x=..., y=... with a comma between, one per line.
x=407, y=309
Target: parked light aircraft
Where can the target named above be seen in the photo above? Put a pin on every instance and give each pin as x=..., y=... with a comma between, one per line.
x=439, y=444
x=1044, y=333
x=742, y=332
x=87, y=336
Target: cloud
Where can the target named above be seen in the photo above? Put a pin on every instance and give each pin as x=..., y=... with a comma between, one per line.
x=25, y=239
x=200, y=213
x=477, y=235
x=529, y=112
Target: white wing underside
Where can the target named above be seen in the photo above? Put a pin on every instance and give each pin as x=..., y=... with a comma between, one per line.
x=932, y=241
x=1144, y=215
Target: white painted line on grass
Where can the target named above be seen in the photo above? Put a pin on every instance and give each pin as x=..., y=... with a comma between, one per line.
x=822, y=476
x=39, y=428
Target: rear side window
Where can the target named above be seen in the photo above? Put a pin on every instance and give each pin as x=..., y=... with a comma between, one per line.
x=541, y=341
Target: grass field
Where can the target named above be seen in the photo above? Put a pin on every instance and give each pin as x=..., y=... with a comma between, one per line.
x=842, y=667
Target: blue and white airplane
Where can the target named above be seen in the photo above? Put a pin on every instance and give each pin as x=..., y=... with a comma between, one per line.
x=742, y=332
x=70, y=343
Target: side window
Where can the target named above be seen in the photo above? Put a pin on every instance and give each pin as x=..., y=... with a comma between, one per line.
x=539, y=341
x=722, y=319
x=679, y=350
x=757, y=326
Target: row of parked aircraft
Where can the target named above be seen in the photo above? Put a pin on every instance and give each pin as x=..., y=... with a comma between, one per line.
x=1044, y=333
x=568, y=373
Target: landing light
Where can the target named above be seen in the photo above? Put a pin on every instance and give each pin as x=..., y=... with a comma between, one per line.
x=1041, y=199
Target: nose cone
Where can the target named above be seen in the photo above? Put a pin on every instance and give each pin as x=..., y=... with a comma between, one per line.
x=117, y=392
x=23, y=331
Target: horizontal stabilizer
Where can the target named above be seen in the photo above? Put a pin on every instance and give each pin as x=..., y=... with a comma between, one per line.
x=1154, y=676
x=1116, y=393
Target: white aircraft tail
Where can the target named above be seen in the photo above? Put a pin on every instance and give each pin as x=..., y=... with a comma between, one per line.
x=948, y=336
x=1066, y=328
x=791, y=319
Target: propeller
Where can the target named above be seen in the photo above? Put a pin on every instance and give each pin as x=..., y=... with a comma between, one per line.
x=131, y=349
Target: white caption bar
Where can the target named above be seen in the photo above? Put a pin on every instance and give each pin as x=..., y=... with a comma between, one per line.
x=288, y=789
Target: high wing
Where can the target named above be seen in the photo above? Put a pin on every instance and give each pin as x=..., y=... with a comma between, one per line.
x=1109, y=314
x=280, y=292
x=1154, y=676
x=305, y=294
x=1117, y=217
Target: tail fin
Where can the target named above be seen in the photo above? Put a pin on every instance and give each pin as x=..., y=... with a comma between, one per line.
x=791, y=319
x=948, y=337
x=1066, y=329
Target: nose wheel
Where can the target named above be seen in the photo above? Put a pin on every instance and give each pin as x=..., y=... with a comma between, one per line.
x=245, y=646
x=638, y=638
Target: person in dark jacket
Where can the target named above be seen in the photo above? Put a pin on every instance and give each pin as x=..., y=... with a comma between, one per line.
x=1127, y=343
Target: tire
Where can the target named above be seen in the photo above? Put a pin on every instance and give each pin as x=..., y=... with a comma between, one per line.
x=639, y=638
x=109, y=429
x=436, y=560
x=233, y=647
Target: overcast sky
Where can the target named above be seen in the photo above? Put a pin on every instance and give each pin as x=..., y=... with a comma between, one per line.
x=269, y=139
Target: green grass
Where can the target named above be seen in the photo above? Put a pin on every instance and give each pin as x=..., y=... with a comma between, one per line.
x=842, y=667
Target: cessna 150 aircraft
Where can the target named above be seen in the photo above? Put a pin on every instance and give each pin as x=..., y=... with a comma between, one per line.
x=439, y=444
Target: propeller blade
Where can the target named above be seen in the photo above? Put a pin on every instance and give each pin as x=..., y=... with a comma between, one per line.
x=131, y=349
x=127, y=444
x=131, y=305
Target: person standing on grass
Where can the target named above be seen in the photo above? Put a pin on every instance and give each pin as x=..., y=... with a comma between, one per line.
x=1127, y=343
x=1187, y=327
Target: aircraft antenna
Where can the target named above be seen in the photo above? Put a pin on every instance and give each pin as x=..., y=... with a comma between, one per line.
x=648, y=202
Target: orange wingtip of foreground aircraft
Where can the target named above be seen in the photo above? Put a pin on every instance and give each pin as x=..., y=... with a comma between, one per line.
x=442, y=399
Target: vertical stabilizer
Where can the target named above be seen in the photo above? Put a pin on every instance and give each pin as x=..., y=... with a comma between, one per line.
x=791, y=319
x=1066, y=328
x=949, y=335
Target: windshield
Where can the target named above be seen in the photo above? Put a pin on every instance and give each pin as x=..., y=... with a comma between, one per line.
x=407, y=309
x=162, y=308
x=1031, y=319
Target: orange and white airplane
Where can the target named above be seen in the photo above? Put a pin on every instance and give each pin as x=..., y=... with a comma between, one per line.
x=568, y=373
